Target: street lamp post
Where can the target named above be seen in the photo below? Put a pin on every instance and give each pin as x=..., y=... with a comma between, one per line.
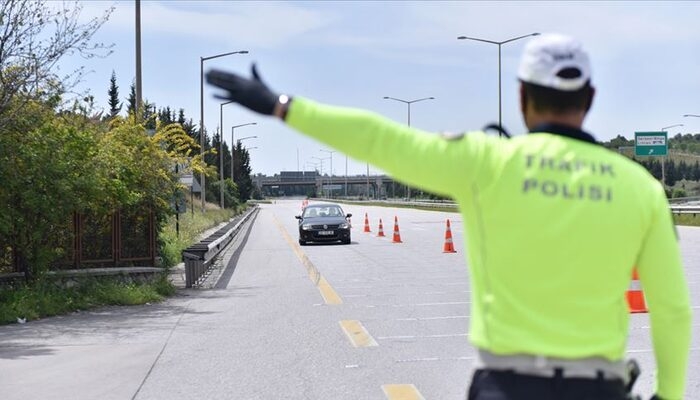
x=663, y=158
x=408, y=103
x=368, y=182
x=201, y=110
x=238, y=141
x=321, y=161
x=330, y=180
x=221, y=150
x=233, y=144
x=500, y=122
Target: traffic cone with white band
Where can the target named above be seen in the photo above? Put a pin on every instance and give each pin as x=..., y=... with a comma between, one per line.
x=635, y=296
x=381, y=229
x=449, y=245
x=397, y=235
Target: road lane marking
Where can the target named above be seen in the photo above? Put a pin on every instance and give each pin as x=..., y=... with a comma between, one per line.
x=356, y=332
x=407, y=284
x=634, y=351
x=327, y=292
x=404, y=294
x=414, y=305
x=329, y=295
x=649, y=327
x=427, y=359
x=433, y=318
x=442, y=336
x=402, y=392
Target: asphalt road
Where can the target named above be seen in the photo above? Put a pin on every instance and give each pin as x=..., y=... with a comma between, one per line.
x=370, y=320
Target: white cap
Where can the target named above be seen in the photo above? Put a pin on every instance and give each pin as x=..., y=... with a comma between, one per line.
x=555, y=61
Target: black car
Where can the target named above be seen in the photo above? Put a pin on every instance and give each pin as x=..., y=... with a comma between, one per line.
x=323, y=222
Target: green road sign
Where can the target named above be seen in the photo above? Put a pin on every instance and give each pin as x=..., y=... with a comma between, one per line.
x=650, y=143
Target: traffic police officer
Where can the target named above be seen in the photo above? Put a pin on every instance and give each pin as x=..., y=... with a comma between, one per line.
x=555, y=225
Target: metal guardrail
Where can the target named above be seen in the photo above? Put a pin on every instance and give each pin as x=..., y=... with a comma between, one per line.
x=680, y=209
x=198, y=257
x=451, y=206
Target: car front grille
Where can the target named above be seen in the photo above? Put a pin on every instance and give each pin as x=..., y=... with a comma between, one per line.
x=326, y=227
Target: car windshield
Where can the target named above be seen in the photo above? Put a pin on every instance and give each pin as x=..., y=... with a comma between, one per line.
x=329, y=211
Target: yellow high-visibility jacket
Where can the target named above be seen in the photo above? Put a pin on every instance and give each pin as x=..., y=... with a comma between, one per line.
x=555, y=224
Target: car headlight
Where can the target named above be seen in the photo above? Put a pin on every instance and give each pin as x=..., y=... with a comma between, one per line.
x=306, y=227
x=344, y=225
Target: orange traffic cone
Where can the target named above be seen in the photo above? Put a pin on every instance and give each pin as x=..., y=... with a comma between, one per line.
x=366, y=223
x=449, y=246
x=397, y=235
x=635, y=296
x=381, y=229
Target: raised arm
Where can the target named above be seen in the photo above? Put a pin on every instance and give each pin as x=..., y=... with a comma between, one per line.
x=416, y=157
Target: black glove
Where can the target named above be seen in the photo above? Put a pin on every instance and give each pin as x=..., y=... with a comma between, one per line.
x=250, y=93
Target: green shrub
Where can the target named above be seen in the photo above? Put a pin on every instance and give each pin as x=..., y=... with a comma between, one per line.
x=44, y=297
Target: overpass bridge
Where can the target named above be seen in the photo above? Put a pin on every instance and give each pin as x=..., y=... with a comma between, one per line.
x=300, y=183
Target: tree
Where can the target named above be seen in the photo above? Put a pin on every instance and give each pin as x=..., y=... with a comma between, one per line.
x=34, y=38
x=671, y=172
x=131, y=100
x=47, y=170
x=115, y=106
x=241, y=172
x=617, y=142
x=149, y=115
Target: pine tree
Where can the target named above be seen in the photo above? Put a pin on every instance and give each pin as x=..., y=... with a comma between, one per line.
x=242, y=172
x=115, y=106
x=131, y=100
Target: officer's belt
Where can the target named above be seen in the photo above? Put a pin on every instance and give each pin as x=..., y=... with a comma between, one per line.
x=590, y=367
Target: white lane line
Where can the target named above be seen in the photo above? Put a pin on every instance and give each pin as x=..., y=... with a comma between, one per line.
x=637, y=351
x=433, y=318
x=410, y=360
x=448, y=303
x=403, y=294
x=441, y=336
x=648, y=327
x=407, y=284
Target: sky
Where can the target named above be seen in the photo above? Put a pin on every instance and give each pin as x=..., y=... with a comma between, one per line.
x=645, y=58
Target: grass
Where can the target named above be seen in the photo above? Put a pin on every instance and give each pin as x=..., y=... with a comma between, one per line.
x=687, y=219
x=397, y=205
x=192, y=225
x=44, y=298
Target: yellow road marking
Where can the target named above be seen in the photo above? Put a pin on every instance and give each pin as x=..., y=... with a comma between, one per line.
x=329, y=295
x=358, y=335
x=402, y=392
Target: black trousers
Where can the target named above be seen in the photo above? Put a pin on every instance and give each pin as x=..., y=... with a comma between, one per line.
x=507, y=385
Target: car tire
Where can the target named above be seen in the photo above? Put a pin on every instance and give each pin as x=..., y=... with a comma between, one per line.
x=302, y=242
x=346, y=241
